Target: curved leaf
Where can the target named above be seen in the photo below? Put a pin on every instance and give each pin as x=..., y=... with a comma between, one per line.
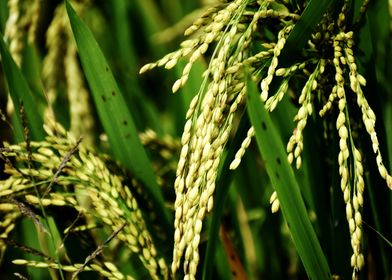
x=113, y=112
x=20, y=92
x=282, y=177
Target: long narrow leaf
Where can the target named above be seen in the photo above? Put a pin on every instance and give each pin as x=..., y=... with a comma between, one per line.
x=113, y=111
x=20, y=92
x=3, y=14
x=286, y=186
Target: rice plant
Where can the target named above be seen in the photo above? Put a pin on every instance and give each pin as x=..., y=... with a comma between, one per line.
x=272, y=159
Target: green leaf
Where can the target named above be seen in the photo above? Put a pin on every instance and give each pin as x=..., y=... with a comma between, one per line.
x=287, y=189
x=20, y=92
x=113, y=112
x=3, y=14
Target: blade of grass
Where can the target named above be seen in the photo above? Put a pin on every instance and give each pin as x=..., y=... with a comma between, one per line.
x=3, y=14
x=286, y=186
x=114, y=114
x=20, y=92
x=31, y=69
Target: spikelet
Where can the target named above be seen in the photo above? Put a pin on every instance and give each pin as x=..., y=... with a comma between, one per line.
x=202, y=150
x=210, y=116
x=113, y=203
x=295, y=144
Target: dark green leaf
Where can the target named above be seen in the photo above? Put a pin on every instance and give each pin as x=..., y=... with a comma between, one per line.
x=286, y=186
x=20, y=92
x=113, y=111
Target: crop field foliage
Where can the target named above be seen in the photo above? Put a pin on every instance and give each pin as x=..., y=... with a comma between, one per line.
x=205, y=139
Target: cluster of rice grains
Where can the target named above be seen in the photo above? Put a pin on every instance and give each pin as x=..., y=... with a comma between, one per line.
x=67, y=174
x=351, y=171
x=230, y=27
x=233, y=29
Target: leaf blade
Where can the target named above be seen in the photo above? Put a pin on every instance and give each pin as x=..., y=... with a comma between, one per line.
x=113, y=112
x=282, y=177
x=20, y=91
